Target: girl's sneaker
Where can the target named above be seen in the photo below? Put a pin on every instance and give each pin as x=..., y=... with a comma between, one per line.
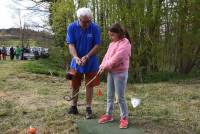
x=105, y=118
x=123, y=123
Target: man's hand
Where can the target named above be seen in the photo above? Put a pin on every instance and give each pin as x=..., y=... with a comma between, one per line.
x=84, y=60
x=78, y=60
x=73, y=52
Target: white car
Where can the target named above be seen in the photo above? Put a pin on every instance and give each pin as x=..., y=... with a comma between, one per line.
x=28, y=56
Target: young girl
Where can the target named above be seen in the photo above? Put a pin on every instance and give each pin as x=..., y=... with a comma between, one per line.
x=116, y=63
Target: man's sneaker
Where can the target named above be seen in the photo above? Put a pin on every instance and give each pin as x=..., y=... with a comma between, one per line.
x=105, y=118
x=123, y=123
x=73, y=110
x=88, y=114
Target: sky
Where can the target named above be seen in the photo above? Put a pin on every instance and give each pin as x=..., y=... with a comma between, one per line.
x=12, y=10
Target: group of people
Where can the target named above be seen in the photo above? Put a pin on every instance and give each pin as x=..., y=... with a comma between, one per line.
x=83, y=40
x=13, y=52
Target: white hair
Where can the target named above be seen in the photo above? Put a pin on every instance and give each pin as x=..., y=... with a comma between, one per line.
x=84, y=12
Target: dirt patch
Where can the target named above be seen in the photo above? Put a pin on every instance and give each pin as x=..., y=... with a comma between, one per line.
x=32, y=91
x=2, y=94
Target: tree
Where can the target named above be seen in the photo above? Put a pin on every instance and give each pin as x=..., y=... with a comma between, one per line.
x=165, y=33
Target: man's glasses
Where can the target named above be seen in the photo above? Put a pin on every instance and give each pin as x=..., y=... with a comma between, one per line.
x=85, y=22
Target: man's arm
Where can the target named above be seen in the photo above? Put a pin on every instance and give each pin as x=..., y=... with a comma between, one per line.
x=73, y=52
x=93, y=51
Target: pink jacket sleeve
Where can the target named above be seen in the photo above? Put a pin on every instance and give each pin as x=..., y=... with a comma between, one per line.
x=103, y=63
x=124, y=49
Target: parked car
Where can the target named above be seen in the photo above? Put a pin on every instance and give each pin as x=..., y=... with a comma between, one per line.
x=8, y=50
x=44, y=53
x=29, y=56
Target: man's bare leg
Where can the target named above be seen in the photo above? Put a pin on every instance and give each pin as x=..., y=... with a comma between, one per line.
x=73, y=109
x=89, y=96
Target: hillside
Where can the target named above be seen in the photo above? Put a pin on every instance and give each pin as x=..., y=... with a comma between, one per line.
x=16, y=33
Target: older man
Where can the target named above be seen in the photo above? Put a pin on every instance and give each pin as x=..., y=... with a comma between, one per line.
x=83, y=39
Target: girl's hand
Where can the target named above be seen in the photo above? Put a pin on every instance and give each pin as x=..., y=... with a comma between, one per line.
x=101, y=70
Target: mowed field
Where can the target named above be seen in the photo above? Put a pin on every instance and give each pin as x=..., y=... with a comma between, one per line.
x=37, y=100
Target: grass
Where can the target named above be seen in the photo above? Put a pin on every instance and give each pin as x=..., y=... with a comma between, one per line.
x=44, y=66
x=170, y=76
x=169, y=105
x=54, y=66
x=30, y=98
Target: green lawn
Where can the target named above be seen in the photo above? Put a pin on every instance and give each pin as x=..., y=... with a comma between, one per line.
x=33, y=99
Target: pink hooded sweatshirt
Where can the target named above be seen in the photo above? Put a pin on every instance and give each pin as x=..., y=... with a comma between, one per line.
x=117, y=56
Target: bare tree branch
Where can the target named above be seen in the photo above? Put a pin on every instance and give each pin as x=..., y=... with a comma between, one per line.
x=38, y=8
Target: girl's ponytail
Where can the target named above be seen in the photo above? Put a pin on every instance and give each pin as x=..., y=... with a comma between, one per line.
x=126, y=34
x=117, y=28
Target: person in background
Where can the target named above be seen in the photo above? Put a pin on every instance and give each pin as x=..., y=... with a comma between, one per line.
x=4, y=53
x=22, y=52
x=0, y=53
x=12, y=53
x=17, y=53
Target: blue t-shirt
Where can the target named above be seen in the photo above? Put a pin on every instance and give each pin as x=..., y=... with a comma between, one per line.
x=84, y=40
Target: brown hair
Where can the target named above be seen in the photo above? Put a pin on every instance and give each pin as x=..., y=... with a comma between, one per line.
x=117, y=28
